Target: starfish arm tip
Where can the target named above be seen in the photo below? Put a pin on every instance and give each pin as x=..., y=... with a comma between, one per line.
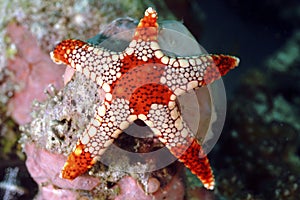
x=78, y=163
x=64, y=49
x=210, y=185
x=225, y=63
x=54, y=59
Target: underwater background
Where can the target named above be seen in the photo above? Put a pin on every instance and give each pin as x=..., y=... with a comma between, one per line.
x=257, y=154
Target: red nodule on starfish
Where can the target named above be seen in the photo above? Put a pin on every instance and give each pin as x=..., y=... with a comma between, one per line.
x=141, y=82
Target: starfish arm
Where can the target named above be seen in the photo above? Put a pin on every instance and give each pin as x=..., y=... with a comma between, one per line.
x=194, y=158
x=169, y=127
x=186, y=73
x=109, y=121
x=97, y=64
x=147, y=29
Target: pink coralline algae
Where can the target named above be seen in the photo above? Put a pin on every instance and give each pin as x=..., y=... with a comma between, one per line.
x=33, y=72
x=44, y=167
x=129, y=189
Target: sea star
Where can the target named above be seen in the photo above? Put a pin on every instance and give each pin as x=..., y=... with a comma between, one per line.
x=141, y=82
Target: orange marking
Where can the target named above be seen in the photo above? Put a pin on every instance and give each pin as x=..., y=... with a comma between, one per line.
x=142, y=99
x=77, y=163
